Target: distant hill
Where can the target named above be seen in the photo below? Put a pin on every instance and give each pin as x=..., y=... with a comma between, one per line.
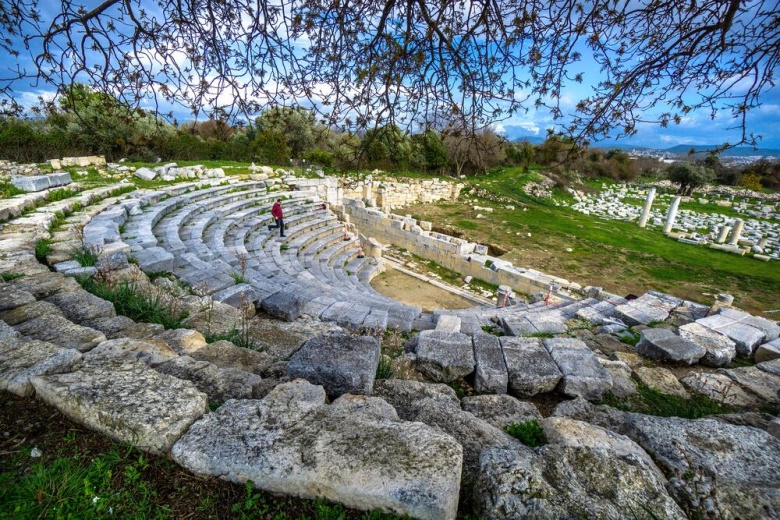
x=739, y=151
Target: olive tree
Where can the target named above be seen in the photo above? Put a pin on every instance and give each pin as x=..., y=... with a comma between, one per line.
x=689, y=176
x=367, y=64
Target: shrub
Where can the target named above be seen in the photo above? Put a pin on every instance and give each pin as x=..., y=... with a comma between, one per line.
x=529, y=433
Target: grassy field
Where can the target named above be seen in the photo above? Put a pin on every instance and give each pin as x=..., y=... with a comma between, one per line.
x=618, y=256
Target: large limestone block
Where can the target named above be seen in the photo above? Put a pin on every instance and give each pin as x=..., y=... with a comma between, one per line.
x=12, y=297
x=150, y=351
x=726, y=470
x=745, y=337
x=183, y=341
x=583, y=472
x=665, y=345
x=291, y=442
x=744, y=461
x=471, y=432
x=491, y=376
x=43, y=285
x=21, y=359
x=80, y=306
x=445, y=356
x=283, y=305
x=531, y=369
x=720, y=349
x=29, y=311
x=583, y=375
x=622, y=384
x=770, y=328
x=768, y=351
x=225, y=354
x=128, y=402
x=403, y=393
x=340, y=363
x=62, y=332
x=219, y=384
x=758, y=382
x=636, y=313
x=662, y=380
x=773, y=366
x=718, y=387
x=501, y=410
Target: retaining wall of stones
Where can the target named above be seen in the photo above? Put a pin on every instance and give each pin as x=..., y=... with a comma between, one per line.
x=453, y=253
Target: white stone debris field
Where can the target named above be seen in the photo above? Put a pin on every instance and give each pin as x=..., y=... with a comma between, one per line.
x=306, y=416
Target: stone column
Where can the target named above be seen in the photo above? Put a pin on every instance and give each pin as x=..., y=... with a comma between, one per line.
x=736, y=231
x=722, y=234
x=646, y=209
x=672, y=214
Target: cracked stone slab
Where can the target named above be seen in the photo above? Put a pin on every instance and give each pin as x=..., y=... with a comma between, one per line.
x=62, y=332
x=757, y=381
x=445, y=356
x=340, y=363
x=126, y=401
x=491, y=375
x=22, y=359
x=718, y=387
x=292, y=442
x=665, y=345
x=80, y=306
x=531, y=368
x=720, y=349
x=583, y=375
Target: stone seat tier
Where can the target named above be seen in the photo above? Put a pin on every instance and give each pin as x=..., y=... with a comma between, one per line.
x=167, y=230
x=214, y=227
x=139, y=229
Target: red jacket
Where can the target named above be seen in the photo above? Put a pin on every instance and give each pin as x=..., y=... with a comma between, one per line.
x=276, y=211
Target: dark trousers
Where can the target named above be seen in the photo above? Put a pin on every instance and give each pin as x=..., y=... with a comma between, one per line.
x=279, y=224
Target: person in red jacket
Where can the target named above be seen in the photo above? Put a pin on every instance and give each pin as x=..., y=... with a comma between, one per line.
x=278, y=214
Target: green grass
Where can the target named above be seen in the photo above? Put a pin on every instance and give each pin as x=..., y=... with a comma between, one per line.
x=529, y=433
x=85, y=257
x=58, y=222
x=384, y=369
x=8, y=190
x=238, y=277
x=42, y=249
x=238, y=337
x=98, y=485
x=652, y=402
x=637, y=259
x=61, y=194
x=7, y=277
x=137, y=304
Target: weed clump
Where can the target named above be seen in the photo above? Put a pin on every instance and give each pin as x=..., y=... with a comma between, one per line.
x=148, y=304
x=652, y=402
x=529, y=433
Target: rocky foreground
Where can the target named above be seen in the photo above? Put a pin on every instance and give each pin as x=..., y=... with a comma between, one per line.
x=305, y=415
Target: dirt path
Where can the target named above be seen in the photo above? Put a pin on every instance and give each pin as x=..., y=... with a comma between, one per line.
x=407, y=289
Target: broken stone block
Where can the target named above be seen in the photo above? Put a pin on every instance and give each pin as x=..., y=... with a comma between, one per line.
x=22, y=359
x=719, y=388
x=583, y=375
x=720, y=349
x=491, y=375
x=531, y=369
x=662, y=380
x=444, y=356
x=340, y=363
x=665, y=345
x=305, y=452
x=128, y=401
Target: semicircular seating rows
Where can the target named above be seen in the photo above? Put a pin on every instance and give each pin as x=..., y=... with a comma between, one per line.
x=217, y=240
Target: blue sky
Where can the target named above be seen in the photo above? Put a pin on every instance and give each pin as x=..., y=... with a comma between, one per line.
x=695, y=129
